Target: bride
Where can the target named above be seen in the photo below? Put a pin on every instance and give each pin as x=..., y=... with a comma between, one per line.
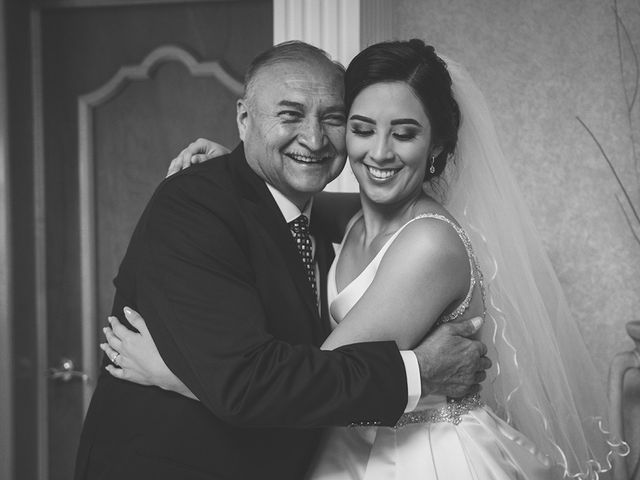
x=443, y=234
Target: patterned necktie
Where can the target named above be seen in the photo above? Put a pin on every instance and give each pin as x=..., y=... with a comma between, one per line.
x=300, y=229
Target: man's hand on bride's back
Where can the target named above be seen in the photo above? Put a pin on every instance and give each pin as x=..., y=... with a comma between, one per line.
x=451, y=362
x=197, y=152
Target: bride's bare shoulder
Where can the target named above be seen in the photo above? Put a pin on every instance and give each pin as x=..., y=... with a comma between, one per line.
x=431, y=247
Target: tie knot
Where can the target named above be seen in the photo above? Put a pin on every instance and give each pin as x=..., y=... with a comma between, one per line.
x=300, y=225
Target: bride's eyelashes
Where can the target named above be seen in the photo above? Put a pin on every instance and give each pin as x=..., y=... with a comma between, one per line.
x=361, y=132
x=399, y=135
x=404, y=136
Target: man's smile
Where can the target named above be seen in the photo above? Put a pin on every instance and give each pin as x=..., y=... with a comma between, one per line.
x=308, y=158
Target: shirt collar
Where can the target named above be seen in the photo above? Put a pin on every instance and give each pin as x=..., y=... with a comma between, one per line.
x=289, y=210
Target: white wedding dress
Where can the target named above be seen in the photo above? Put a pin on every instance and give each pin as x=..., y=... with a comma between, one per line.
x=451, y=440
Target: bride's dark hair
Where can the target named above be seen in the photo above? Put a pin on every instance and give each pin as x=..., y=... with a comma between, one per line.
x=417, y=65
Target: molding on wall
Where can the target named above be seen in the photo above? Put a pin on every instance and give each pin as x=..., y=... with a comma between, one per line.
x=6, y=336
x=332, y=25
x=40, y=255
x=86, y=105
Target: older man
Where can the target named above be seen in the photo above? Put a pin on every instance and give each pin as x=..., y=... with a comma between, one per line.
x=233, y=305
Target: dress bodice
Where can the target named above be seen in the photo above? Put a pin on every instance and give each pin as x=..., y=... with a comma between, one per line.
x=340, y=303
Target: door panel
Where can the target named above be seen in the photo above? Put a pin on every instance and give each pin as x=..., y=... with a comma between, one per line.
x=131, y=138
x=130, y=155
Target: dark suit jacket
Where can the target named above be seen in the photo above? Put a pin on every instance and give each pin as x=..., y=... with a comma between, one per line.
x=213, y=269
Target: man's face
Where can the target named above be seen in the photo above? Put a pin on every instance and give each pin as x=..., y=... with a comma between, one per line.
x=292, y=123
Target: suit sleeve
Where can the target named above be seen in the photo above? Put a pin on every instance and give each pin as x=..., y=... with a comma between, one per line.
x=195, y=288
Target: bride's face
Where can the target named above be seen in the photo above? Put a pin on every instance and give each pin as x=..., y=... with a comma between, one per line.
x=388, y=139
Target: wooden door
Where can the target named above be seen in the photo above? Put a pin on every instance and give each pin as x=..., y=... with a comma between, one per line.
x=118, y=91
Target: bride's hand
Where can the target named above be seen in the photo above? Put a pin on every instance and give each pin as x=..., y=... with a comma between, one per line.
x=197, y=152
x=136, y=356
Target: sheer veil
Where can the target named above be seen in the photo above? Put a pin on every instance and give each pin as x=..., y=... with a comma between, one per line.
x=543, y=381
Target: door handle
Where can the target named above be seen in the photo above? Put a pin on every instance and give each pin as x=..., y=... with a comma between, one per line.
x=65, y=372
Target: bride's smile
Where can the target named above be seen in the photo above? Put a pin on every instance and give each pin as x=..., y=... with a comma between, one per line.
x=382, y=174
x=388, y=140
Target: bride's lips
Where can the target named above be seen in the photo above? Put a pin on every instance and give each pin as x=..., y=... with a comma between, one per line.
x=308, y=159
x=381, y=174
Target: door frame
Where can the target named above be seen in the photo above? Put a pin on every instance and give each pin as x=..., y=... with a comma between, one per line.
x=6, y=332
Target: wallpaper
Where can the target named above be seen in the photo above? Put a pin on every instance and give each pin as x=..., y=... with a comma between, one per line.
x=542, y=66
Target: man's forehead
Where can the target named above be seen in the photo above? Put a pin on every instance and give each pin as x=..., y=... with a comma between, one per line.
x=300, y=74
x=294, y=84
x=299, y=85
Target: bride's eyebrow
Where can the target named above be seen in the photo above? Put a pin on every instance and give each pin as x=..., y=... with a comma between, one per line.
x=405, y=121
x=361, y=118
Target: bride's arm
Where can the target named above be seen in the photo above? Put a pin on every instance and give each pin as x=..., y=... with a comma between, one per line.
x=424, y=273
x=198, y=151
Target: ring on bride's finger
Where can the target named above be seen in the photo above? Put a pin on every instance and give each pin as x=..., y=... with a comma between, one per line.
x=115, y=358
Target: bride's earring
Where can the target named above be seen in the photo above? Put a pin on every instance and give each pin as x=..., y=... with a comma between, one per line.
x=432, y=168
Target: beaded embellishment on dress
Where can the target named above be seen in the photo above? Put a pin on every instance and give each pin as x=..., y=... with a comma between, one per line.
x=454, y=408
x=473, y=265
x=452, y=412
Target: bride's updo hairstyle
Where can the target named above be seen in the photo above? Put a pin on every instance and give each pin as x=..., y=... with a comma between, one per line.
x=417, y=65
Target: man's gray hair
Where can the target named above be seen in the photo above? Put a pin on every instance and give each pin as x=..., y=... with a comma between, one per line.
x=291, y=51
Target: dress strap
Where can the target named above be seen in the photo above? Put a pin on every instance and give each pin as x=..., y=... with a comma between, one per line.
x=476, y=274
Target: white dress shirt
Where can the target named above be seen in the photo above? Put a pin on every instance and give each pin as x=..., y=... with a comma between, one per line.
x=290, y=212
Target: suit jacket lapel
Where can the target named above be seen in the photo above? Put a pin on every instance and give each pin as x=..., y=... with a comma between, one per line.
x=254, y=190
x=324, y=257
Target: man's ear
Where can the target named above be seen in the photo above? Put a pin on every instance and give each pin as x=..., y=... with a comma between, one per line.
x=242, y=116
